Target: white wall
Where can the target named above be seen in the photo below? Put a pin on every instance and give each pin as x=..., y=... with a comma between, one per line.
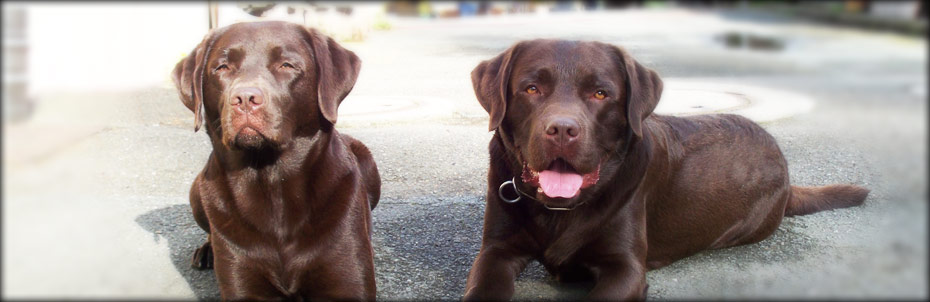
x=78, y=47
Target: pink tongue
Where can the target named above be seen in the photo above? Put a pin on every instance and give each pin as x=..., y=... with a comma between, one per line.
x=555, y=184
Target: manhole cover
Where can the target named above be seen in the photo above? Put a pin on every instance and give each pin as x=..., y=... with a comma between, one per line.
x=366, y=106
x=689, y=97
x=364, y=110
x=679, y=97
x=686, y=101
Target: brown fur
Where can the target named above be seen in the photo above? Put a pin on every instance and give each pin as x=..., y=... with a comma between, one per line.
x=288, y=210
x=668, y=187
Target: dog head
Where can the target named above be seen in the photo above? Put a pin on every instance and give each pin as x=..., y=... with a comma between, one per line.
x=564, y=109
x=260, y=84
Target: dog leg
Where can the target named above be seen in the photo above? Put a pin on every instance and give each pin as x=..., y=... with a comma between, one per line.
x=200, y=216
x=203, y=257
x=623, y=281
x=492, y=275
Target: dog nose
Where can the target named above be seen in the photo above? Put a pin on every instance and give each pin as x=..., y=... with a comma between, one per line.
x=247, y=98
x=562, y=130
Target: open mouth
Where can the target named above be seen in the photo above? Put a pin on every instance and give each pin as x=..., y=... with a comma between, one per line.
x=559, y=180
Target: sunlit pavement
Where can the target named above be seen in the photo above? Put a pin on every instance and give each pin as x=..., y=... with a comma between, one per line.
x=95, y=186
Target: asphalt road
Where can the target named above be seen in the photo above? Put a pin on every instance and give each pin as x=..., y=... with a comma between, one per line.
x=106, y=214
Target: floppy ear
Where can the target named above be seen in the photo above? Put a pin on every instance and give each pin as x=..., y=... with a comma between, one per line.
x=491, y=81
x=337, y=70
x=188, y=78
x=643, y=90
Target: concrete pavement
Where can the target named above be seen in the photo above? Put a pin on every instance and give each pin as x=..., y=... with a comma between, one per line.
x=103, y=213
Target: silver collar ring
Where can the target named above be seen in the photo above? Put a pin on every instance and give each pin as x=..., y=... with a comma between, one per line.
x=500, y=192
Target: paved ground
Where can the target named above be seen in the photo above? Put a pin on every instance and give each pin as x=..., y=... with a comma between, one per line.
x=95, y=186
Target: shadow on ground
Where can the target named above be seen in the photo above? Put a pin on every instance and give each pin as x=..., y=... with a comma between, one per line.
x=425, y=250
x=421, y=251
x=175, y=224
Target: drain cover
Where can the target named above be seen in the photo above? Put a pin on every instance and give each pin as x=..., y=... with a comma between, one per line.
x=752, y=41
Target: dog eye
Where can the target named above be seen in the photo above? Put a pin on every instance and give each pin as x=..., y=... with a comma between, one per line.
x=287, y=65
x=221, y=67
x=532, y=89
x=600, y=94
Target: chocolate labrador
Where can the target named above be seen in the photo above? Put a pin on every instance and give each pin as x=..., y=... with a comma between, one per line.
x=286, y=199
x=584, y=179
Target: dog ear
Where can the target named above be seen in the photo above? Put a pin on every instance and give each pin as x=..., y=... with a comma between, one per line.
x=491, y=81
x=188, y=78
x=337, y=70
x=643, y=90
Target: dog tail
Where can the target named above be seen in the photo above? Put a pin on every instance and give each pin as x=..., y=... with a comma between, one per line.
x=808, y=200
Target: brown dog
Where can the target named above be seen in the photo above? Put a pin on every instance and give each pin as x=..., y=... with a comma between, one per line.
x=585, y=180
x=285, y=198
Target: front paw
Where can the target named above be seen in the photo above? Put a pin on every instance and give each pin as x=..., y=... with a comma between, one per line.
x=203, y=257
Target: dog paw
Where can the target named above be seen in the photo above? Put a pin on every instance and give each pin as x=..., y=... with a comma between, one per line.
x=203, y=257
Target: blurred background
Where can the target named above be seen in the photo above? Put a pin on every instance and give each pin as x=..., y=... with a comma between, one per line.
x=99, y=152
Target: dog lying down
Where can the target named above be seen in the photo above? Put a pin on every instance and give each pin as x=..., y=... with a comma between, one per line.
x=584, y=179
